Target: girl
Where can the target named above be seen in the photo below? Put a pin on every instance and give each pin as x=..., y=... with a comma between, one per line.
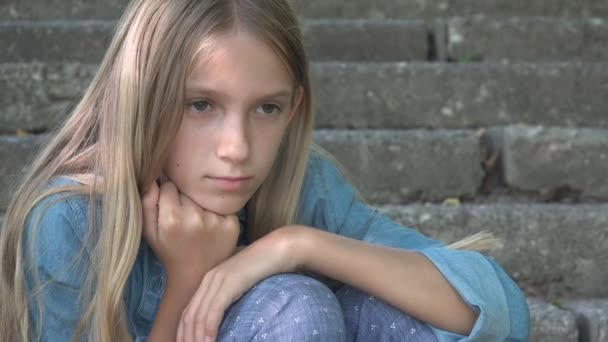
x=212, y=97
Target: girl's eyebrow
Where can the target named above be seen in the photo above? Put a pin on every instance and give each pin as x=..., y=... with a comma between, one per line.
x=280, y=93
x=190, y=90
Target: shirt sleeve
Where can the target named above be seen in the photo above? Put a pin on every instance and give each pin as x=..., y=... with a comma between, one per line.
x=329, y=202
x=55, y=267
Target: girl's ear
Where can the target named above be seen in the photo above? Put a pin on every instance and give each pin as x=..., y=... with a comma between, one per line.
x=296, y=103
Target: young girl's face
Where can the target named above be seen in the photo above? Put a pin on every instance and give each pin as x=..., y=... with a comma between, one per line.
x=239, y=101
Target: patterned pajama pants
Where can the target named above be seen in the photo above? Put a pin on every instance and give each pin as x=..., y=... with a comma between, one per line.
x=293, y=307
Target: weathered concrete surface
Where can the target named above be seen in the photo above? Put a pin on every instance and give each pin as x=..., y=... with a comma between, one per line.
x=554, y=159
x=365, y=40
x=551, y=324
x=15, y=155
x=37, y=96
x=591, y=316
x=397, y=166
x=373, y=95
x=468, y=39
x=527, y=39
x=561, y=249
x=111, y=9
x=57, y=41
x=343, y=40
x=430, y=8
x=401, y=95
x=61, y=9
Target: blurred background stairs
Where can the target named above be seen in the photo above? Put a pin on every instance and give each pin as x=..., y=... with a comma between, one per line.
x=451, y=116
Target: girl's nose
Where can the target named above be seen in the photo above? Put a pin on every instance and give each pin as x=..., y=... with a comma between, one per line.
x=233, y=144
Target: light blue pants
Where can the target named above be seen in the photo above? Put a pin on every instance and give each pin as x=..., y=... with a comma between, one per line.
x=293, y=307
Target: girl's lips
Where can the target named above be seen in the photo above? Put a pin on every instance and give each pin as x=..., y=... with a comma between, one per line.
x=230, y=183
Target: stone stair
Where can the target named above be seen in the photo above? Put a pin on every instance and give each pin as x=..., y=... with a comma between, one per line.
x=451, y=116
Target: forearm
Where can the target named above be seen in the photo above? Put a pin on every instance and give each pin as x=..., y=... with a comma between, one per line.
x=175, y=299
x=405, y=279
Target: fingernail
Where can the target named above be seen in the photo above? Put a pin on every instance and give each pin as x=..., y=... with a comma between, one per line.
x=208, y=339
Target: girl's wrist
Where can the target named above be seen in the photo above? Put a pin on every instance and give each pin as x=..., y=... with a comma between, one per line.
x=181, y=290
x=184, y=278
x=294, y=244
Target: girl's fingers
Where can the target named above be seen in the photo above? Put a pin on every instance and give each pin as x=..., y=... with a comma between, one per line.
x=149, y=203
x=188, y=319
x=180, y=332
x=203, y=310
x=215, y=312
x=168, y=205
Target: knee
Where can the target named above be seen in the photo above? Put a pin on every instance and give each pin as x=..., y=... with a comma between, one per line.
x=298, y=294
x=304, y=308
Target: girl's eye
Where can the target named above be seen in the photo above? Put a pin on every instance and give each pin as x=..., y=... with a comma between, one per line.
x=268, y=109
x=200, y=106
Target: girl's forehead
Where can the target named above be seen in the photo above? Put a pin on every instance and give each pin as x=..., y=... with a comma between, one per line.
x=240, y=52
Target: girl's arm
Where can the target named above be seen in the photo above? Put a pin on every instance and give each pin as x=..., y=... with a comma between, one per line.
x=405, y=279
x=175, y=298
x=408, y=269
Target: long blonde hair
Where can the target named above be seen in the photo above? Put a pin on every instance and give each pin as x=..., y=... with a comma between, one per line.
x=120, y=131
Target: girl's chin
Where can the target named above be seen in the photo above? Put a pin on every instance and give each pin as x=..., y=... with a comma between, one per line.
x=222, y=206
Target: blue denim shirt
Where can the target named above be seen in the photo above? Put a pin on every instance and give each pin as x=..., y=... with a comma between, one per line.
x=328, y=202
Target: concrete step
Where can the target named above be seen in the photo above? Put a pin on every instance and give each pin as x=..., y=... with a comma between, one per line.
x=591, y=317
x=404, y=95
x=526, y=39
x=111, y=9
x=345, y=40
x=447, y=162
x=456, y=39
x=530, y=163
x=61, y=9
x=446, y=8
x=15, y=155
x=54, y=41
x=369, y=95
x=579, y=320
x=552, y=160
x=556, y=249
x=551, y=324
x=391, y=166
x=367, y=40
